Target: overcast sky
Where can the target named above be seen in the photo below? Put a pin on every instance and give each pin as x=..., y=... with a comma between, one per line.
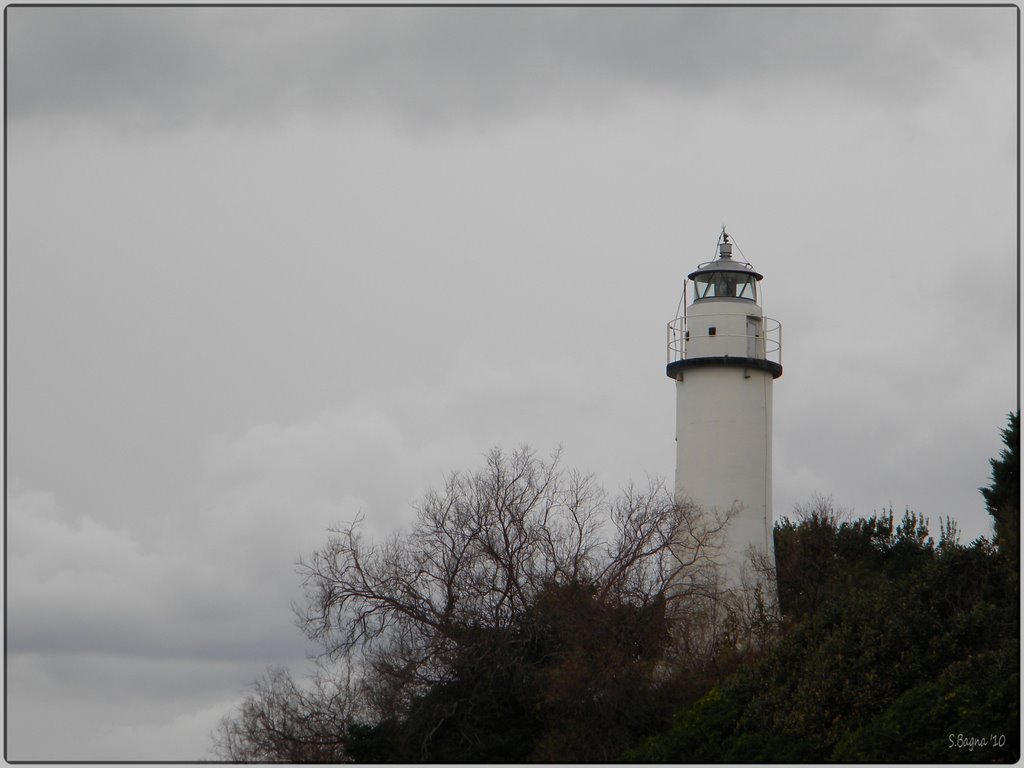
x=268, y=267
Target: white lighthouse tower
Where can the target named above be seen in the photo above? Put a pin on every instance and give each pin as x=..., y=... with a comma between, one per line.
x=724, y=355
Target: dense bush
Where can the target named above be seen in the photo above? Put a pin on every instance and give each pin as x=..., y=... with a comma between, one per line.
x=572, y=681
x=904, y=643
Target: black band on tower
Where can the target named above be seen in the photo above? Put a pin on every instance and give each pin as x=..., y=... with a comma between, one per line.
x=674, y=370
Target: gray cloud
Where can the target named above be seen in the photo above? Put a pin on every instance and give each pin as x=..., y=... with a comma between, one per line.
x=167, y=67
x=106, y=708
x=268, y=298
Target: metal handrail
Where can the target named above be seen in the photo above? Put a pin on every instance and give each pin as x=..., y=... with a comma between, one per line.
x=771, y=338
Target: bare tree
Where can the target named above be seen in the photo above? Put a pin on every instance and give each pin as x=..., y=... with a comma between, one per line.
x=284, y=721
x=481, y=551
x=405, y=612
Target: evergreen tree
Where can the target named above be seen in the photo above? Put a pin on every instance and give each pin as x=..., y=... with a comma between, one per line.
x=1002, y=497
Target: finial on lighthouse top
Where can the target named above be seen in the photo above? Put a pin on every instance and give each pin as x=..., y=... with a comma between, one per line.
x=724, y=262
x=725, y=247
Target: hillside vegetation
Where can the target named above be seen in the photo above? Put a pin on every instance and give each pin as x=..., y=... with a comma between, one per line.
x=510, y=625
x=899, y=649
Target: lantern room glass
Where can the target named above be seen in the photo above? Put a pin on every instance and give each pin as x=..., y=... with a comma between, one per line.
x=725, y=285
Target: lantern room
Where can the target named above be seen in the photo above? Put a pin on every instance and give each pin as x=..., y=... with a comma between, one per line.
x=724, y=278
x=723, y=324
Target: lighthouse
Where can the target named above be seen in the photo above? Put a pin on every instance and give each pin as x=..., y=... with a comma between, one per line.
x=724, y=354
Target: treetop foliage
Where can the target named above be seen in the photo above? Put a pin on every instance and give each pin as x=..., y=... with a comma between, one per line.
x=1002, y=497
x=892, y=643
x=481, y=552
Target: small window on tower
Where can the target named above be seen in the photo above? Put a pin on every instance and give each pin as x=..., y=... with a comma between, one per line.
x=712, y=330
